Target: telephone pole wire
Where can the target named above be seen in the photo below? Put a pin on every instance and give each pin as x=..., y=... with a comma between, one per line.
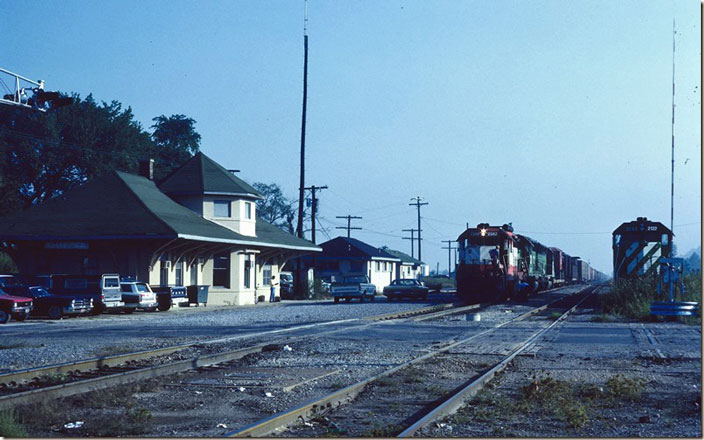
x=418, y=204
x=349, y=222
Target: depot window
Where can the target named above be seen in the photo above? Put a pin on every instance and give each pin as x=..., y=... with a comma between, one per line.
x=247, y=271
x=221, y=270
x=247, y=210
x=221, y=208
x=266, y=275
x=179, y=273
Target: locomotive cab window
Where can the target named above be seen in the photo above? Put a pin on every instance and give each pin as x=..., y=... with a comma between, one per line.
x=664, y=239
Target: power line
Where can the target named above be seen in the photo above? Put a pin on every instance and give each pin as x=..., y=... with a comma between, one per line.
x=322, y=228
x=443, y=221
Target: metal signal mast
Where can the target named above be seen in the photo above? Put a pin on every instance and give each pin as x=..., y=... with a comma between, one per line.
x=39, y=99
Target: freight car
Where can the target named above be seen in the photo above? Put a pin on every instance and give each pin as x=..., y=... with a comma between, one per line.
x=638, y=246
x=495, y=263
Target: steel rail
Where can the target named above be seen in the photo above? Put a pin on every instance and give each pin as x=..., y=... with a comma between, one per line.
x=98, y=383
x=309, y=409
x=23, y=375
x=408, y=313
x=456, y=401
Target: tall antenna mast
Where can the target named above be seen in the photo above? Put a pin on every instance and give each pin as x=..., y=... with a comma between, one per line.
x=300, y=289
x=672, y=174
x=301, y=188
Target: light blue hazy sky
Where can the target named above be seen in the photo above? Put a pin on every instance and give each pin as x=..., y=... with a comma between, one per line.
x=553, y=115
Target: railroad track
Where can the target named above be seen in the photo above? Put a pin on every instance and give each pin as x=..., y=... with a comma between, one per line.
x=32, y=385
x=427, y=410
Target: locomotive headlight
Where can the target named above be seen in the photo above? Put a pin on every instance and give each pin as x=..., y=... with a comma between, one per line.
x=482, y=232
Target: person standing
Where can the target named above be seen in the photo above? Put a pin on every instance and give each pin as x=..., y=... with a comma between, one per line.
x=272, y=298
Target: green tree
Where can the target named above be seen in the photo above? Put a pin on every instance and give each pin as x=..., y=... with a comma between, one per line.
x=46, y=154
x=275, y=207
x=175, y=140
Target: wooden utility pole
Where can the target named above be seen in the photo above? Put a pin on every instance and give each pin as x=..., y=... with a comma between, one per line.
x=449, y=248
x=412, y=231
x=349, y=221
x=418, y=204
x=314, y=208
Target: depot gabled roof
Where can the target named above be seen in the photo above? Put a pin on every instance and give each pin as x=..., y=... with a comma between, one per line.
x=405, y=258
x=125, y=206
x=202, y=175
x=343, y=247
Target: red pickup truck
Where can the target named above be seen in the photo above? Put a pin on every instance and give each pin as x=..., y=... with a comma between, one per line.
x=17, y=307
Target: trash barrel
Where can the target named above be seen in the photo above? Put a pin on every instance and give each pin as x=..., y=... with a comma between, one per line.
x=197, y=295
x=163, y=297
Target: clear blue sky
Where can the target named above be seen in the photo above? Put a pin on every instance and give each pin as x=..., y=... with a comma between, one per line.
x=553, y=115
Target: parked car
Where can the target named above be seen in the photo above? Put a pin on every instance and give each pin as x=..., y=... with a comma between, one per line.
x=103, y=289
x=16, y=307
x=406, y=288
x=139, y=294
x=357, y=286
x=286, y=285
x=56, y=306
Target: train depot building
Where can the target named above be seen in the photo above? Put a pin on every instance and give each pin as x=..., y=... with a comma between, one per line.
x=197, y=227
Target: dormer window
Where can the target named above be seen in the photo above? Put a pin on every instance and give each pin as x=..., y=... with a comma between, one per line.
x=248, y=210
x=221, y=208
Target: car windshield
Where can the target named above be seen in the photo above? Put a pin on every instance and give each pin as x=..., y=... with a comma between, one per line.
x=126, y=287
x=142, y=287
x=9, y=282
x=38, y=292
x=357, y=279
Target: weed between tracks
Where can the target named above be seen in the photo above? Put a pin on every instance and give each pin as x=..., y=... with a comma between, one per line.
x=10, y=426
x=567, y=402
x=111, y=412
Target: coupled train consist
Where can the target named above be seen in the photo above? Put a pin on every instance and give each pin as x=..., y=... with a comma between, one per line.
x=495, y=263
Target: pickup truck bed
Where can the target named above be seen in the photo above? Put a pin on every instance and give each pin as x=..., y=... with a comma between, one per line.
x=347, y=291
